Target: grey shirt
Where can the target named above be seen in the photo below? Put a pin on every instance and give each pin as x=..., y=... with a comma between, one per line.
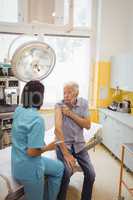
x=73, y=133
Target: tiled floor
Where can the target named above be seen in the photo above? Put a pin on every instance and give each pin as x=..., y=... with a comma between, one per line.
x=107, y=177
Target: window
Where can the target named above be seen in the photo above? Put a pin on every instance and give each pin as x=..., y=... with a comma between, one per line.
x=8, y=10
x=54, y=12
x=82, y=13
x=72, y=64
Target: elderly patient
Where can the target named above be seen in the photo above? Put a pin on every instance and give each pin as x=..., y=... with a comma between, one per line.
x=71, y=116
x=28, y=166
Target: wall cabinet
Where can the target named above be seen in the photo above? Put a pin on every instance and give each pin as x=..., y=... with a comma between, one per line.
x=121, y=72
x=116, y=131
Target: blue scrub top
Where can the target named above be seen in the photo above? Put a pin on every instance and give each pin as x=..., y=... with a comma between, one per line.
x=27, y=132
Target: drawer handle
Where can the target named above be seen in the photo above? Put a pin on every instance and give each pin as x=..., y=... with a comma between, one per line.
x=105, y=117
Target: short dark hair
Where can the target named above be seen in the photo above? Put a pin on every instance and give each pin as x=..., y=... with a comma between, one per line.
x=32, y=94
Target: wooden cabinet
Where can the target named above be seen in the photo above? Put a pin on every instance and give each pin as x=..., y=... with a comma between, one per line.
x=116, y=131
x=121, y=72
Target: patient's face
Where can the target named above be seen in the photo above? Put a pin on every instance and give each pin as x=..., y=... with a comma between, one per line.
x=69, y=95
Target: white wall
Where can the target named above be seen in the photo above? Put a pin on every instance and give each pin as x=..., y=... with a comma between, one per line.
x=130, y=19
x=115, y=28
x=94, y=29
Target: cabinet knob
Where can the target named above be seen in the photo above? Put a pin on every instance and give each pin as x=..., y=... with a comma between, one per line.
x=105, y=117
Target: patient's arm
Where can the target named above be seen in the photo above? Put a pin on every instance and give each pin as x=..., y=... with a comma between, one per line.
x=58, y=130
x=70, y=160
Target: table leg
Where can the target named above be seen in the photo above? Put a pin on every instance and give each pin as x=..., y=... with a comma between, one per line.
x=121, y=172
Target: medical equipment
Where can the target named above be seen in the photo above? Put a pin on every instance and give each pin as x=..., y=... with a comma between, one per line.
x=32, y=60
x=8, y=87
x=28, y=58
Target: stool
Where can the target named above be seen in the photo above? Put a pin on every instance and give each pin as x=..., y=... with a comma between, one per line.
x=129, y=148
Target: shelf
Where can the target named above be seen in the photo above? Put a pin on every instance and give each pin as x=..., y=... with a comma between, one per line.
x=6, y=128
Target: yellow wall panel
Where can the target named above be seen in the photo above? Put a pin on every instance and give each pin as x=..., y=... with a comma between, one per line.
x=103, y=84
x=94, y=117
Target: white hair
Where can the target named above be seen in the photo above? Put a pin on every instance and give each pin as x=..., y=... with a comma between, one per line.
x=73, y=85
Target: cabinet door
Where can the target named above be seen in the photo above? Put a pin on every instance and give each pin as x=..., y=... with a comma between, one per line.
x=114, y=134
x=107, y=131
x=121, y=72
x=115, y=72
x=125, y=135
x=122, y=134
x=103, y=118
x=128, y=86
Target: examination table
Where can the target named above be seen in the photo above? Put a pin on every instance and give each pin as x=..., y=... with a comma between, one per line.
x=10, y=189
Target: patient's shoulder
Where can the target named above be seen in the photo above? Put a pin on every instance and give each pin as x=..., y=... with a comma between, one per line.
x=59, y=104
x=82, y=101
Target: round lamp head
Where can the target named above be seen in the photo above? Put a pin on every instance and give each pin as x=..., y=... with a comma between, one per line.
x=33, y=61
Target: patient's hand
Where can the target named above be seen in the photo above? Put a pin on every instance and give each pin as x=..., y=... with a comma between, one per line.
x=70, y=160
x=66, y=111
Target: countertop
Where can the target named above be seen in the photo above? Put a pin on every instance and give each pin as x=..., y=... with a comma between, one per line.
x=125, y=118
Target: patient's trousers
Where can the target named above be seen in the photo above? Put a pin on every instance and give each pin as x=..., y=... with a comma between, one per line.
x=84, y=161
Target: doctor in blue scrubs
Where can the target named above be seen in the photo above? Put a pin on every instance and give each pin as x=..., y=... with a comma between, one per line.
x=28, y=166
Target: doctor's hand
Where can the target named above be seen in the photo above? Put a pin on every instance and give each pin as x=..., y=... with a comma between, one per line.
x=49, y=147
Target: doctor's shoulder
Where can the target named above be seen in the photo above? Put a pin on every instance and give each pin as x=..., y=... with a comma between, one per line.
x=17, y=111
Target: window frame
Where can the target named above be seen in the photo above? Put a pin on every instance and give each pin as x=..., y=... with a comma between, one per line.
x=22, y=27
x=68, y=30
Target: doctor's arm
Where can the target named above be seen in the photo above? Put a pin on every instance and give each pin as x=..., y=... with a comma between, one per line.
x=38, y=151
x=35, y=139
